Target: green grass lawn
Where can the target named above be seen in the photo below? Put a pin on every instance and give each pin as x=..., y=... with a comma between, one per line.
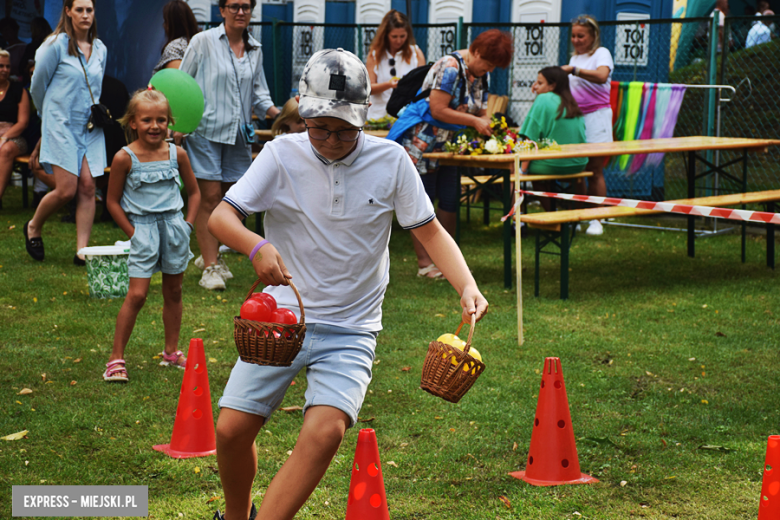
x=671, y=367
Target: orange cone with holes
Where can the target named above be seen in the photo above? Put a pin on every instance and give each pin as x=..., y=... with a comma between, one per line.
x=193, y=430
x=367, y=499
x=769, y=503
x=552, y=457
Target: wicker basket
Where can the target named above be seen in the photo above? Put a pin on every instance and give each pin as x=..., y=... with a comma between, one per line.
x=443, y=379
x=257, y=343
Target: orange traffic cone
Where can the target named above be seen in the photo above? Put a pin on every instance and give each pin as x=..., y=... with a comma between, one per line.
x=367, y=499
x=552, y=458
x=769, y=508
x=193, y=430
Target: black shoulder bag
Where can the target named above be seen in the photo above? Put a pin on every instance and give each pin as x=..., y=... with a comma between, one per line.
x=99, y=115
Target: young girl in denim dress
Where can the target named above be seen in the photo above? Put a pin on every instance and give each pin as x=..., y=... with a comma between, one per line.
x=145, y=200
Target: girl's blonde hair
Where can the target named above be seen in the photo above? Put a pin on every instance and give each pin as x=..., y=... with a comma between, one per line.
x=289, y=114
x=5, y=54
x=144, y=95
x=588, y=21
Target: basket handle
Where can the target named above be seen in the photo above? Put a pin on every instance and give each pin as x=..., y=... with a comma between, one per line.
x=471, y=331
x=297, y=295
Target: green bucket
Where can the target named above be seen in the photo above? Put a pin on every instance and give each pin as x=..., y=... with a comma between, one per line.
x=107, y=271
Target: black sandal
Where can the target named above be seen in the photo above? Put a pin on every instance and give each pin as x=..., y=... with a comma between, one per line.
x=78, y=261
x=34, y=245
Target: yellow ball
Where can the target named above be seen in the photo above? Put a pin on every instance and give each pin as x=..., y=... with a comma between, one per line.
x=455, y=342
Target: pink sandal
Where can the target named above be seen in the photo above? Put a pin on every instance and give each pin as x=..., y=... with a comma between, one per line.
x=115, y=371
x=176, y=359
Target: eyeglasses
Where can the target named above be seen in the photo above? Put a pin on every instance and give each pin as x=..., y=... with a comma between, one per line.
x=234, y=8
x=391, y=61
x=320, y=134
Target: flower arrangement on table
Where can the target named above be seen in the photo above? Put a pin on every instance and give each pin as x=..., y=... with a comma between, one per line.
x=503, y=141
x=383, y=123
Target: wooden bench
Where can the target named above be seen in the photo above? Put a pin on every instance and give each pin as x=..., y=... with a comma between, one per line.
x=23, y=162
x=482, y=184
x=556, y=227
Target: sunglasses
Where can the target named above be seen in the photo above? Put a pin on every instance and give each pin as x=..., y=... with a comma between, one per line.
x=234, y=8
x=584, y=20
x=391, y=61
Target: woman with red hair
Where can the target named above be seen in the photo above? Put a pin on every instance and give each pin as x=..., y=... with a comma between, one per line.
x=458, y=94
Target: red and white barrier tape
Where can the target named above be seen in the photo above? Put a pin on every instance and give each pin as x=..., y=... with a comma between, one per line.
x=667, y=207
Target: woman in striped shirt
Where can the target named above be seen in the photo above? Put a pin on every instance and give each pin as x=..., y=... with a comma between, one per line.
x=228, y=65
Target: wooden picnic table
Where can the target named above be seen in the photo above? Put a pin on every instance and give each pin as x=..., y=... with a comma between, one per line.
x=693, y=145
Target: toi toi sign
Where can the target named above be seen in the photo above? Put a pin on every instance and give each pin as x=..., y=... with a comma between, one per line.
x=632, y=41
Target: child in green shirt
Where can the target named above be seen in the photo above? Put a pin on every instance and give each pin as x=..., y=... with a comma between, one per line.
x=554, y=115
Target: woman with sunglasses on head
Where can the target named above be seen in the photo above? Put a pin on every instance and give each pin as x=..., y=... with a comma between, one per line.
x=591, y=69
x=67, y=81
x=393, y=54
x=228, y=65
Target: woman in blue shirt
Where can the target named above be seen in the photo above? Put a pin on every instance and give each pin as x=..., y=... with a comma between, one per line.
x=67, y=65
x=228, y=65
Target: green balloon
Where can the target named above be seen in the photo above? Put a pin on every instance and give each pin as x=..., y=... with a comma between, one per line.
x=184, y=95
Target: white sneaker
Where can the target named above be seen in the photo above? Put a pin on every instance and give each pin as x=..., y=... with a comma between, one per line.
x=225, y=249
x=595, y=228
x=212, y=279
x=223, y=268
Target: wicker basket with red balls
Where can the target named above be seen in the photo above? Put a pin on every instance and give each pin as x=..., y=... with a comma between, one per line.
x=265, y=334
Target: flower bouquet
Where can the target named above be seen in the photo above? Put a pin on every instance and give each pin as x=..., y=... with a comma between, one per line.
x=504, y=140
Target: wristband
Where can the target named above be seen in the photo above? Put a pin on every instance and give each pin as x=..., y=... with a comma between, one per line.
x=575, y=71
x=256, y=249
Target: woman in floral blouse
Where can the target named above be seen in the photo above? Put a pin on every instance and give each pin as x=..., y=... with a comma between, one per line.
x=426, y=125
x=180, y=26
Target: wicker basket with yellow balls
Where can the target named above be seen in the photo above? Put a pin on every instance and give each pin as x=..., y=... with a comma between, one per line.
x=451, y=365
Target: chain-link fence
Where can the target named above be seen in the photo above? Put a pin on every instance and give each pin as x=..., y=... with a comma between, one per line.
x=655, y=51
x=642, y=50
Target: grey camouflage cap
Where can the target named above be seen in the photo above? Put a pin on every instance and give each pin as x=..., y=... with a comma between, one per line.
x=335, y=83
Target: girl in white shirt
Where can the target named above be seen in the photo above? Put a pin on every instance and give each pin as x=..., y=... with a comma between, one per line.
x=591, y=69
x=393, y=54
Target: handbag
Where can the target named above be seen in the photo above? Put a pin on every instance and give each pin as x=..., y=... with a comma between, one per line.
x=99, y=116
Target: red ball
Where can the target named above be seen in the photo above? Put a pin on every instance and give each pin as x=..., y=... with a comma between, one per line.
x=285, y=316
x=265, y=297
x=256, y=310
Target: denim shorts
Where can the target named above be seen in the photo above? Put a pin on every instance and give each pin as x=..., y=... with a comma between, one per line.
x=443, y=184
x=161, y=242
x=338, y=365
x=217, y=161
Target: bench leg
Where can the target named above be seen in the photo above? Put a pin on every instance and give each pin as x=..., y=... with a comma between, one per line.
x=565, y=237
x=744, y=239
x=457, y=212
x=538, y=233
x=508, y=232
x=486, y=206
x=770, y=239
x=24, y=171
x=691, y=194
x=744, y=190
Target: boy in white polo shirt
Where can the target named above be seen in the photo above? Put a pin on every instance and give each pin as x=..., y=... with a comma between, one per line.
x=329, y=195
